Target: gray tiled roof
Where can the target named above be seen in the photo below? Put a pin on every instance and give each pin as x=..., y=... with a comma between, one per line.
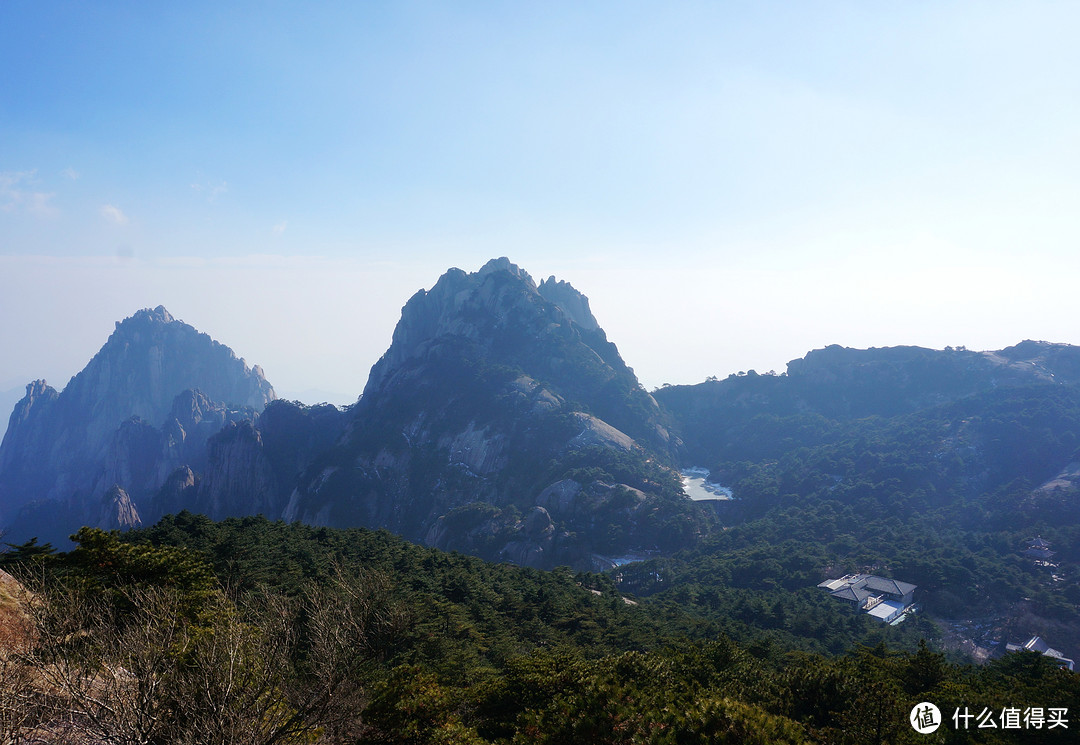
x=892, y=586
x=851, y=592
x=858, y=587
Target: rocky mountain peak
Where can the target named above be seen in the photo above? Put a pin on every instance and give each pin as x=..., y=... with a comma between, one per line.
x=190, y=406
x=148, y=360
x=37, y=388
x=117, y=511
x=467, y=307
x=38, y=392
x=1029, y=349
x=503, y=264
x=22, y=425
x=66, y=446
x=570, y=301
x=1048, y=361
x=148, y=315
x=491, y=390
x=498, y=317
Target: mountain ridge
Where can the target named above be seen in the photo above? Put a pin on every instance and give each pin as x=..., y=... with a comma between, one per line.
x=843, y=383
x=500, y=421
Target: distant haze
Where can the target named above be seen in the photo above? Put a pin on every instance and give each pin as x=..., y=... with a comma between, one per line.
x=731, y=185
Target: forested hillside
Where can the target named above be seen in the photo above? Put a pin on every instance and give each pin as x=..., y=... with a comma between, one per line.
x=258, y=632
x=938, y=468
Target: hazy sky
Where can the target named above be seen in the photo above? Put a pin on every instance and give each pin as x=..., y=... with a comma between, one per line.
x=731, y=183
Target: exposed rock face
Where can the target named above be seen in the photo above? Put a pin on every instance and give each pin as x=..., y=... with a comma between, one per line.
x=560, y=497
x=239, y=479
x=177, y=493
x=492, y=390
x=256, y=469
x=193, y=420
x=135, y=459
x=117, y=510
x=597, y=432
x=1068, y=479
x=147, y=361
x=1057, y=500
x=143, y=406
x=569, y=301
x=1056, y=363
x=253, y=466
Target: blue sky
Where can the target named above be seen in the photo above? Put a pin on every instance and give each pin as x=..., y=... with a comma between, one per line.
x=732, y=184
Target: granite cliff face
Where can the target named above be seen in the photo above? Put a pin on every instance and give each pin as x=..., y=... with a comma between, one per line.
x=492, y=390
x=144, y=405
x=569, y=301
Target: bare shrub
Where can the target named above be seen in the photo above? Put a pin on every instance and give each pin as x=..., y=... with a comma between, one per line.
x=261, y=670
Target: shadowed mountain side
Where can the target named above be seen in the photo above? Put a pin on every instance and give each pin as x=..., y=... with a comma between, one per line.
x=252, y=467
